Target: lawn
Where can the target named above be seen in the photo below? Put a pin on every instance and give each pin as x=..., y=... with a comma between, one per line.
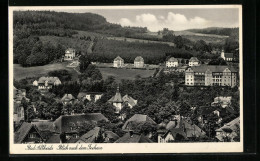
x=37, y=71
x=129, y=74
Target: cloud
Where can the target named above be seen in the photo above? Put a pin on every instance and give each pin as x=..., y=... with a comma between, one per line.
x=173, y=21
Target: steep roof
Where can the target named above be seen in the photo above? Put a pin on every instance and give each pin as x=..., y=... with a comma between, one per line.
x=63, y=123
x=137, y=118
x=83, y=94
x=212, y=68
x=117, y=98
x=172, y=59
x=229, y=55
x=67, y=98
x=111, y=135
x=118, y=58
x=90, y=136
x=43, y=125
x=23, y=131
x=192, y=129
x=130, y=100
x=134, y=138
x=49, y=79
x=139, y=59
x=55, y=138
x=70, y=50
x=176, y=131
x=194, y=59
x=231, y=125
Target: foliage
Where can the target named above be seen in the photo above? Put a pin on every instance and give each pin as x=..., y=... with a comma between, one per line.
x=63, y=75
x=219, y=61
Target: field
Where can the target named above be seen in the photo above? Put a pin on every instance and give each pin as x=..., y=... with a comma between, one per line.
x=38, y=71
x=129, y=74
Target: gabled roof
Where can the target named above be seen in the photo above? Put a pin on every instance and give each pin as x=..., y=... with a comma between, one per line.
x=192, y=130
x=70, y=50
x=43, y=125
x=231, y=125
x=90, y=136
x=229, y=55
x=83, y=94
x=118, y=58
x=134, y=138
x=137, y=118
x=130, y=100
x=212, y=68
x=194, y=59
x=64, y=122
x=49, y=79
x=67, y=98
x=172, y=59
x=117, y=98
x=139, y=59
x=175, y=132
x=55, y=138
x=111, y=135
x=23, y=131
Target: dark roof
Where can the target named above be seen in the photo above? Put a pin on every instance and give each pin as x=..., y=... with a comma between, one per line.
x=139, y=59
x=55, y=138
x=179, y=131
x=231, y=125
x=63, y=123
x=111, y=135
x=137, y=118
x=23, y=131
x=212, y=68
x=118, y=58
x=134, y=138
x=67, y=98
x=228, y=55
x=49, y=79
x=194, y=59
x=90, y=136
x=43, y=125
x=117, y=98
x=83, y=94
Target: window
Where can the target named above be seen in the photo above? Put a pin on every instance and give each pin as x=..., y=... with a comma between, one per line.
x=32, y=135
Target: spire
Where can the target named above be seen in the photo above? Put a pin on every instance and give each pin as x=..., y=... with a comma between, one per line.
x=117, y=90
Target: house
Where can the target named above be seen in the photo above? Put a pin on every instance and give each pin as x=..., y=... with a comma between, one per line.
x=118, y=62
x=172, y=62
x=67, y=98
x=47, y=82
x=172, y=135
x=194, y=61
x=70, y=54
x=222, y=101
x=110, y=137
x=132, y=137
x=44, y=127
x=90, y=96
x=69, y=124
x=211, y=75
x=91, y=136
x=27, y=133
x=136, y=119
x=129, y=101
x=227, y=56
x=229, y=131
x=139, y=62
x=18, y=113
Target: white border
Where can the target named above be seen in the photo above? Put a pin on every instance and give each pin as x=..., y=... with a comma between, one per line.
x=215, y=147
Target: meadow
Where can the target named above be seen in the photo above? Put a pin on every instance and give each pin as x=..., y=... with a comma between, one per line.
x=122, y=73
x=38, y=71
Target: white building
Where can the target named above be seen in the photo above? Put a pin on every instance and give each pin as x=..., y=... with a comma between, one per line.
x=194, y=62
x=139, y=62
x=118, y=62
x=70, y=54
x=172, y=62
x=227, y=56
x=47, y=82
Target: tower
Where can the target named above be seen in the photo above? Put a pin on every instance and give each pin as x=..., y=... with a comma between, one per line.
x=222, y=54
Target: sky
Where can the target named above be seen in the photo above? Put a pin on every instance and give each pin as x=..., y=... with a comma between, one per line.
x=174, y=19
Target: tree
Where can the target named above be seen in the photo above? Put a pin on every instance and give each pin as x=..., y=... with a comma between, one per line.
x=219, y=61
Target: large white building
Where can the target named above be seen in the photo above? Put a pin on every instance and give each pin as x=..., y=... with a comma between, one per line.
x=172, y=62
x=227, y=56
x=118, y=62
x=47, y=82
x=139, y=62
x=211, y=75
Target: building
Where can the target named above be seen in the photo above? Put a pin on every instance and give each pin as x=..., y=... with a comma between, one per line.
x=172, y=62
x=90, y=96
x=136, y=119
x=229, y=131
x=211, y=75
x=27, y=133
x=129, y=101
x=69, y=54
x=69, y=124
x=194, y=62
x=172, y=135
x=227, y=56
x=222, y=101
x=18, y=113
x=118, y=101
x=47, y=82
x=67, y=98
x=139, y=62
x=118, y=62
x=91, y=136
x=18, y=96
x=132, y=137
